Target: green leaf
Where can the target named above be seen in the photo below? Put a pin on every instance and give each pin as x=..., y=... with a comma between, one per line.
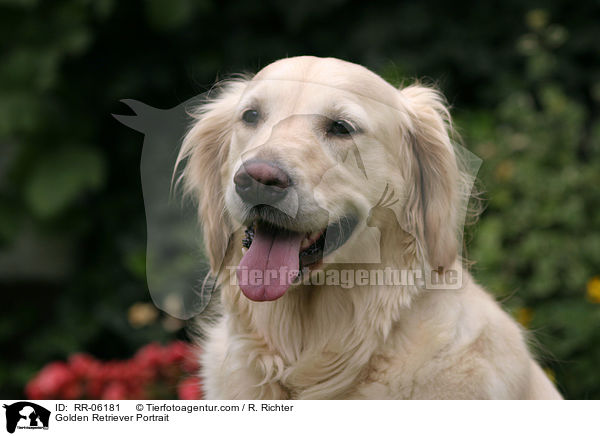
x=169, y=14
x=60, y=179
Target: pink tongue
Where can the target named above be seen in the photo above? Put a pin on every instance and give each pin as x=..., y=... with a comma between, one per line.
x=270, y=265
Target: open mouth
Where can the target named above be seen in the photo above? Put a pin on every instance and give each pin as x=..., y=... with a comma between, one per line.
x=274, y=256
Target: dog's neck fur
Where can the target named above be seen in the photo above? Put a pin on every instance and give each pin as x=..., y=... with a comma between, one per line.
x=299, y=350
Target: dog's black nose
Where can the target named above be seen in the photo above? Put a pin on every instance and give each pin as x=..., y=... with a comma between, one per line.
x=261, y=182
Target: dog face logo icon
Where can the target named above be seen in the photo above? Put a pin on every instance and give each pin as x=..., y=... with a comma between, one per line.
x=26, y=415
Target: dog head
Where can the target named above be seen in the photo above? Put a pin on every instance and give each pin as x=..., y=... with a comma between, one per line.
x=299, y=154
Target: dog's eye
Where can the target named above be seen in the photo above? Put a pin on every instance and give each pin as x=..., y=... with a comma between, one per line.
x=250, y=116
x=341, y=128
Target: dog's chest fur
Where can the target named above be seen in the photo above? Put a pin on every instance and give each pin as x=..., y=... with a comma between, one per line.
x=316, y=343
x=372, y=343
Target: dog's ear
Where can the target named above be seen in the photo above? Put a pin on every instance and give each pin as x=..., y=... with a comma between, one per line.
x=204, y=150
x=433, y=192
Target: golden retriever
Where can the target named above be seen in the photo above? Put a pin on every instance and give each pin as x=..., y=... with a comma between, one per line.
x=316, y=182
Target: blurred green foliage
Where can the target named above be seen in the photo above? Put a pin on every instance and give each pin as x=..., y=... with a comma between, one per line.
x=523, y=78
x=538, y=243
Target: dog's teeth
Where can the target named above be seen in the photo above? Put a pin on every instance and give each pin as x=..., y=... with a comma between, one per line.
x=314, y=235
x=244, y=250
x=310, y=239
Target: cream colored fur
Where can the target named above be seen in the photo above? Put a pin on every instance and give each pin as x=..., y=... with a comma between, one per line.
x=367, y=342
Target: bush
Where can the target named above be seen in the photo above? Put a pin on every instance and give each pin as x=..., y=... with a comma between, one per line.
x=538, y=243
x=153, y=373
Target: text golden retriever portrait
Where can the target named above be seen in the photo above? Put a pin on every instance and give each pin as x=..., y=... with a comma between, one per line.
x=332, y=207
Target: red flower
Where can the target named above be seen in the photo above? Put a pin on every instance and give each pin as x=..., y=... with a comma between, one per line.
x=114, y=391
x=72, y=391
x=176, y=352
x=137, y=392
x=84, y=365
x=150, y=356
x=191, y=363
x=50, y=382
x=153, y=371
x=95, y=387
x=190, y=389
